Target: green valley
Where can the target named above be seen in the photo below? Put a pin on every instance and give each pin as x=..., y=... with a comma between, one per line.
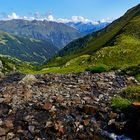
x=115, y=47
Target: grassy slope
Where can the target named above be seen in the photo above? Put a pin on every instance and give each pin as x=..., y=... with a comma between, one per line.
x=25, y=49
x=116, y=47
x=11, y=64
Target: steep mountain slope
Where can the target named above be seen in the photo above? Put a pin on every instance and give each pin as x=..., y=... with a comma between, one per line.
x=30, y=50
x=57, y=33
x=122, y=36
x=88, y=27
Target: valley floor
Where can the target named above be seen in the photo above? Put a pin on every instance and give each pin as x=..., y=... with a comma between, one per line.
x=73, y=107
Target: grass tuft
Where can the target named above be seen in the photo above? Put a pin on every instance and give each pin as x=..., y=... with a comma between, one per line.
x=120, y=103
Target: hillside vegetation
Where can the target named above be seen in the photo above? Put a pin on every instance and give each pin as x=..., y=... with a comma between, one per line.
x=10, y=64
x=26, y=49
x=54, y=33
x=115, y=47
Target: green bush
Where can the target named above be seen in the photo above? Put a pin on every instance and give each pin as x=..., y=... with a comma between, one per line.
x=97, y=69
x=137, y=77
x=120, y=103
x=132, y=92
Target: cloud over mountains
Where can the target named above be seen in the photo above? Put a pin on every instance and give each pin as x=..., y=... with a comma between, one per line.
x=50, y=17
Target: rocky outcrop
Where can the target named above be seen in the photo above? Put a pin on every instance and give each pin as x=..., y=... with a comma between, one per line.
x=55, y=106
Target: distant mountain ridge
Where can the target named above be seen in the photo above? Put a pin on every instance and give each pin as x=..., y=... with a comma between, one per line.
x=26, y=49
x=37, y=41
x=88, y=27
x=34, y=41
x=58, y=34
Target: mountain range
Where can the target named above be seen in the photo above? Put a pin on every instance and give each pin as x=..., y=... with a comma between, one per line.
x=36, y=41
x=116, y=46
x=88, y=27
x=58, y=34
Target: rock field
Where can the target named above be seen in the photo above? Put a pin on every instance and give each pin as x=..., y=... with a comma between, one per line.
x=65, y=107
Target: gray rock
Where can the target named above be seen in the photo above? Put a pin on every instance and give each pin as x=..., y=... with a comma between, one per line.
x=1, y=65
x=28, y=79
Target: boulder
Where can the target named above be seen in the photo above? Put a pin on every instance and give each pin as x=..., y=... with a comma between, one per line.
x=28, y=79
x=136, y=104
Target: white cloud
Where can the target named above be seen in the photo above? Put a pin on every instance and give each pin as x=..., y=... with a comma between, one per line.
x=13, y=16
x=50, y=17
x=74, y=19
x=63, y=20
x=79, y=19
x=107, y=20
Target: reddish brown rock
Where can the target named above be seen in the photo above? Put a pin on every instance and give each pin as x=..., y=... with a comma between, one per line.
x=47, y=106
x=86, y=122
x=9, y=124
x=112, y=115
x=136, y=104
x=90, y=109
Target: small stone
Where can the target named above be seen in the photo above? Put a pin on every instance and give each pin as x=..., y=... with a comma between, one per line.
x=53, y=109
x=101, y=96
x=39, y=139
x=86, y=122
x=77, y=123
x=112, y=115
x=47, y=106
x=9, y=124
x=61, y=130
x=2, y=131
x=31, y=128
x=49, y=124
x=111, y=122
x=81, y=126
x=80, y=81
x=136, y=104
x=10, y=135
x=90, y=109
x=1, y=122
x=87, y=98
x=1, y=100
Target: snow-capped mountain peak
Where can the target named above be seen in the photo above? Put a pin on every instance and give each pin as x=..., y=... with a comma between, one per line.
x=88, y=27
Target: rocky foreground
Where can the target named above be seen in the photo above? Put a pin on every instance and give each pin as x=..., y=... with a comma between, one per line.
x=65, y=107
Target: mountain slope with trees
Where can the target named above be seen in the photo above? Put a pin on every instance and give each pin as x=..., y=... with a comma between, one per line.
x=55, y=33
x=30, y=50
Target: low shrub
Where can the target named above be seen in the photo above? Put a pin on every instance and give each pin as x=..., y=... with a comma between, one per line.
x=97, y=69
x=132, y=92
x=120, y=103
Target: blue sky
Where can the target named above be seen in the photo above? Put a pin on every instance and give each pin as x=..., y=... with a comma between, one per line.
x=91, y=9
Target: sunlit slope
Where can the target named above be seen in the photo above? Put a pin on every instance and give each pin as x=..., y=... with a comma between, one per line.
x=122, y=35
